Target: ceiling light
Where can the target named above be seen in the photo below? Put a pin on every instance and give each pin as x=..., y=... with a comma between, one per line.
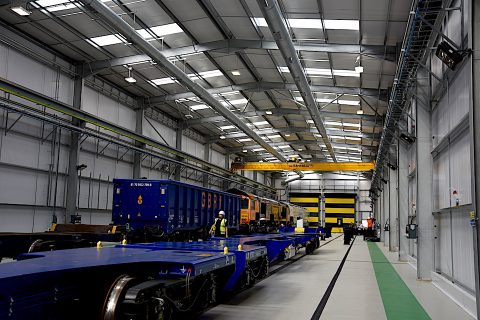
x=258, y=149
x=260, y=123
x=244, y=140
x=223, y=137
x=244, y=151
x=447, y=54
x=205, y=74
x=337, y=137
x=287, y=134
x=268, y=112
x=300, y=149
x=284, y=147
x=274, y=136
x=130, y=79
x=236, y=72
x=358, y=69
x=162, y=81
x=309, y=121
x=227, y=127
x=21, y=11
x=235, y=101
x=199, y=107
x=360, y=111
x=353, y=138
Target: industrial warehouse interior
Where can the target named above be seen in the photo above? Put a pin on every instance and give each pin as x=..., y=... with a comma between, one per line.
x=239, y=159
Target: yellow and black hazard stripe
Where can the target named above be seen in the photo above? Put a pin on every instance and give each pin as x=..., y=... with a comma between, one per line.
x=339, y=210
x=310, y=202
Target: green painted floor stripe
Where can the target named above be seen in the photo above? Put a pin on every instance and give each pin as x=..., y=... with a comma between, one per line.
x=398, y=300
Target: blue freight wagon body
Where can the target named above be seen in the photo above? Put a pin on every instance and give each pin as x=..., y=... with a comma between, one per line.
x=170, y=205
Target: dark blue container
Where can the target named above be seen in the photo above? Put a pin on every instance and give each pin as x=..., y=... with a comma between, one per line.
x=171, y=205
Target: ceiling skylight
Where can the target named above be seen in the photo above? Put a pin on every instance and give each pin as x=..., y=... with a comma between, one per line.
x=108, y=40
x=325, y=72
x=160, y=31
x=228, y=127
x=261, y=123
x=206, y=74
x=327, y=100
x=316, y=24
x=244, y=140
x=199, y=107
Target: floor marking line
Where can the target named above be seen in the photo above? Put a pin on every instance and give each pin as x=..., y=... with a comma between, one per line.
x=323, y=302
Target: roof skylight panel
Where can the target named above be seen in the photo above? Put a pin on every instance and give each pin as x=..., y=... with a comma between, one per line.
x=316, y=24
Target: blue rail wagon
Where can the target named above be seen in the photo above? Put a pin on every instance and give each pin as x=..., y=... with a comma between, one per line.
x=170, y=205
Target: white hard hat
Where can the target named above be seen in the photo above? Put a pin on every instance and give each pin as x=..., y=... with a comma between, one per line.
x=221, y=213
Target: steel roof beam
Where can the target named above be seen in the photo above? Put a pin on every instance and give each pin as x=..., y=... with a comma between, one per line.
x=273, y=16
x=367, y=120
x=233, y=45
x=262, y=86
x=136, y=39
x=306, y=143
x=268, y=131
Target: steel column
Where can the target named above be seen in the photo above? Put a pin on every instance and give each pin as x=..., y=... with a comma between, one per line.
x=178, y=145
x=474, y=43
x=137, y=156
x=402, y=199
x=74, y=152
x=393, y=214
x=386, y=211
x=424, y=178
x=206, y=157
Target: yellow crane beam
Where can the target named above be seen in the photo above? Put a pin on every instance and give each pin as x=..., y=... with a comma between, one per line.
x=303, y=166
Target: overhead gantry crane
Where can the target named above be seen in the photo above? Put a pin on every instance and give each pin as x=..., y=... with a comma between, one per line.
x=303, y=166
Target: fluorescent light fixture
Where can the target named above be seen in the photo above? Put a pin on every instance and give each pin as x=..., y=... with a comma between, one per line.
x=275, y=136
x=309, y=121
x=337, y=137
x=223, y=137
x=300, y=149
x=287, y=134
x=345, y=124
x=353, y=138
x=244, y=151
x=360, y=111
x=227, y=127
x=21, y=11
x=346, y=73
x=107, y=40
x=199, y=107
x=244, y=140
x=327, y=100
x=260, y=123
x=325, y=72
x=284, y=147
x=271, y=158
x=358, y=69
x=235, y=72
x=258, y=149
x=268, y=112
x=130, y=79
x=226, y=93
x=316, y=24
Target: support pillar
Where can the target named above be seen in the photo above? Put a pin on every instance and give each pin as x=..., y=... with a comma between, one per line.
x=386, y=211
x=206, y=157
x=178, y=144
x=393, y=214
x=226, y=183
x=402, y=200
x=424, y=178
x=74, y=152
x=474, y=43
x=137, y=156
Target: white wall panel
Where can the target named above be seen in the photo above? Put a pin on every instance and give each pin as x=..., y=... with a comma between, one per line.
x=463, y=264
x=167, y=133
x=460, y=170
x=217, y=158
x=444, y=243
x=193, y=147
x=441, y=181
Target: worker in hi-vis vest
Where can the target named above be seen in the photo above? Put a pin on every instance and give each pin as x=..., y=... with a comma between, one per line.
x=219, y=227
